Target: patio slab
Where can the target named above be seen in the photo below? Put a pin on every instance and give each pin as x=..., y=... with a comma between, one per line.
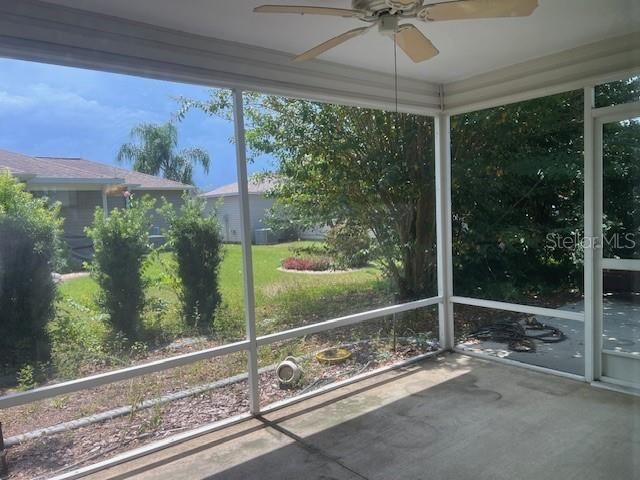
x=448, y=418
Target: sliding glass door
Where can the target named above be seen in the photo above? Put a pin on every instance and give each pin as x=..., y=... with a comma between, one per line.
x=618, y=155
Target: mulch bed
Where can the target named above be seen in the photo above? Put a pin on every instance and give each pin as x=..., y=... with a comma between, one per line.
x=52, y=454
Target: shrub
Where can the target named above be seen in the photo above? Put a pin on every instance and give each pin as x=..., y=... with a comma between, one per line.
x=77, y=342
x=29, y=376
x=30, y=239
x=120, y=248
x=195, y=240
x=316, y=264
x=309, y=250
x=349, y=245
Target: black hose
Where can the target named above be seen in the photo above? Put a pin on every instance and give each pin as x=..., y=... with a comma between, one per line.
x=517, y=336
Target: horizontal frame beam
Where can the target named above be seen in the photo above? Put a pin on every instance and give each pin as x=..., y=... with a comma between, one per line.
x=515, y=363
x=23, y=398
x=346, y=320
x=613, y=385
x=514, y=307
x=156, y=446
x=540, y=92
x=617, y=353
x=619, y=264
x=106, y=378
x=628, y=388
x=584, y=66
x=615, y=113
x=280, y=404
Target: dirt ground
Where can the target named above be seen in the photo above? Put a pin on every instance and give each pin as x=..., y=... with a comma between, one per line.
x=51, y=454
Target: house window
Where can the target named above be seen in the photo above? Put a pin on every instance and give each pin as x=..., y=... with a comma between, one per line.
x=67, y=198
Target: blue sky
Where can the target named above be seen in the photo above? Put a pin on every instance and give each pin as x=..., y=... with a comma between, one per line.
x=61, y=111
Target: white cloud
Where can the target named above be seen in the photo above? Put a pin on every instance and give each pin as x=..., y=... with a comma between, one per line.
x=44, y=102
x=14, y=103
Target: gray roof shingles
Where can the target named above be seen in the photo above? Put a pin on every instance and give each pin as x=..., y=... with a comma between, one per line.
x=78, y=169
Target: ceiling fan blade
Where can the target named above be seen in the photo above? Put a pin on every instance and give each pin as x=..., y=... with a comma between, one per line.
x=412, y=42
x=467, y=9
x=306, y=10
x=331, y=43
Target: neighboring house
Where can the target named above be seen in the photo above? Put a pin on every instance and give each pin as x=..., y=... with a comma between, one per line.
x=82, y=185
x=225, y=201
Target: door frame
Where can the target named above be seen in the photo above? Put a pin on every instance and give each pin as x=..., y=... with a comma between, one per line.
x=594, y=196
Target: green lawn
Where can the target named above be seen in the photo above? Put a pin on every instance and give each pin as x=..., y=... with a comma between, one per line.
x=283, y=300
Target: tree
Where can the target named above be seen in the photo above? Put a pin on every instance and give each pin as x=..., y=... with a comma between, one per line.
x=195, y=241
x=368, y=168
x=120, y=247
x=30, y=242
x=154, y=152
x=518, y=177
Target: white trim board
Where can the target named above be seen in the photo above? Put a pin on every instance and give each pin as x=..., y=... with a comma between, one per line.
x=589, y=65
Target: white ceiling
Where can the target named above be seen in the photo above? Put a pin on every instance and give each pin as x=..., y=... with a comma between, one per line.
x=466, y=47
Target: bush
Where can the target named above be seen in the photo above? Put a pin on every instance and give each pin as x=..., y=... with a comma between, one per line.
x=120, y=248
x=77, y=343
x=316, y=264
x=29, y=376
x=196, y=242
x=309, y=250
x=30, y=240
x=349, y=245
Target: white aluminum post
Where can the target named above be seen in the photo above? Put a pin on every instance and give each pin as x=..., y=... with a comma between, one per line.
x=591, y=233
x=247, y=261
x=442, y=137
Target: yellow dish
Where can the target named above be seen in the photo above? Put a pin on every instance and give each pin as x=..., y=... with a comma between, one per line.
x=331, y=356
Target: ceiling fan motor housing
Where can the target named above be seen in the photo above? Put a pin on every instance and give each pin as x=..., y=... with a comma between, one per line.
x=388, y=24
x=404, y=8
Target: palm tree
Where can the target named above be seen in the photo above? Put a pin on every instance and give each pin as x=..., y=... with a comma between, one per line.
x=154, y=152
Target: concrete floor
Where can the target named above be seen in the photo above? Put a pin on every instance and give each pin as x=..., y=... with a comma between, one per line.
x=453, y=417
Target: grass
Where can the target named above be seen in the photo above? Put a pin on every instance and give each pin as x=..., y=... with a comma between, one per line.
x=283, y=300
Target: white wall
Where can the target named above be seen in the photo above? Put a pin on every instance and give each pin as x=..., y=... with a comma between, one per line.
x=258, y=206
x=228, y=213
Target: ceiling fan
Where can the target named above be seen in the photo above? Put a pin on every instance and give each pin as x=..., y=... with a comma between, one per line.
x=387, y=13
